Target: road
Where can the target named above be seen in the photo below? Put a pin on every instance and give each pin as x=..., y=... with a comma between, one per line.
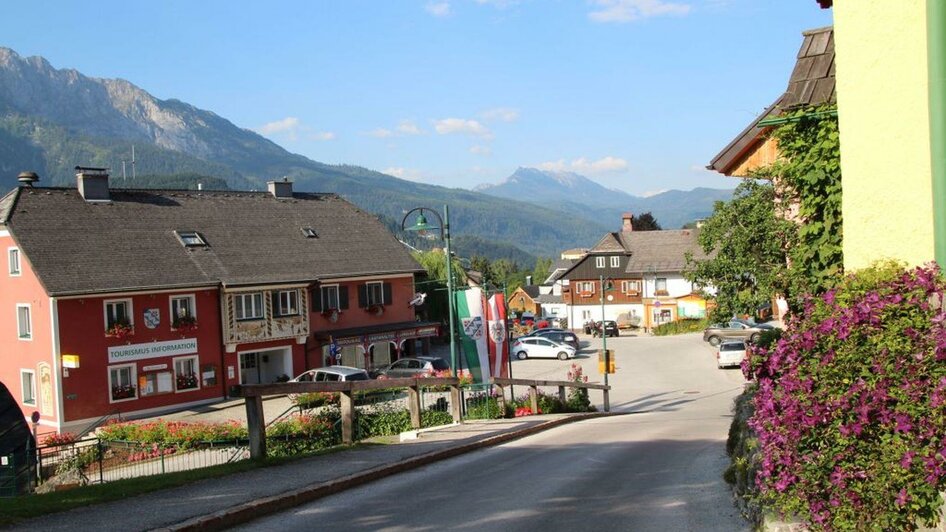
x=657, y=468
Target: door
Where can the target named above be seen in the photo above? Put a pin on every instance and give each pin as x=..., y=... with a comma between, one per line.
x=249, y=368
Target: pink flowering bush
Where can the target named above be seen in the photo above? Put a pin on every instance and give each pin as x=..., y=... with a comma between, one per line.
x=850, y=407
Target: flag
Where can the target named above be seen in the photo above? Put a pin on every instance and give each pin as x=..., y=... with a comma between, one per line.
x=498, y=347
x=469, y=308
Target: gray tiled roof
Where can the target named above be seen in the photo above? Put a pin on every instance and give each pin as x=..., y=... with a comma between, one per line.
x=547, y=299
x=661, y=251
x=812, y=79
x=253, y=238
x=610, y=242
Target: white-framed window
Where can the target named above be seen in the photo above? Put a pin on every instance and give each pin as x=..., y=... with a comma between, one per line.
x=287, y=303
x=586, y=287
x=599, y=262
x=156, y=383
x=374, y=292
x=122, y=383
x=615, y=262
x=631, y=287
x=117, y=312
x=28, y=382
x=186, y=375
x=330, y=297
x=13, y=261
x=248, y=306
x=24, y=324
x=191, y=238
x=660, y=285
x=183, y=307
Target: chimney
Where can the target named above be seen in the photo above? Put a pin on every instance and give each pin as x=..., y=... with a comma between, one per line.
x=27, y=178
x=627, y=226
x=93, y=183
x=280, y=189
x=528, y=280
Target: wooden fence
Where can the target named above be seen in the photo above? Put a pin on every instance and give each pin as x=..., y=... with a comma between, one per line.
x=254, y=393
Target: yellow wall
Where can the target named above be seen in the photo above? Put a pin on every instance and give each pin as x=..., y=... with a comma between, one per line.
x=884, y=123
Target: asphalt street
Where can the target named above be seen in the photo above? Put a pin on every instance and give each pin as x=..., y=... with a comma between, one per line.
x=657, y=468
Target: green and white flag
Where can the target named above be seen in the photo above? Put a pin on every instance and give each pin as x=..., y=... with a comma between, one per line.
x=469, y=306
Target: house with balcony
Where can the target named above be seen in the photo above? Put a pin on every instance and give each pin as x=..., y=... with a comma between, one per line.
x=143, y=301
x=643, y=278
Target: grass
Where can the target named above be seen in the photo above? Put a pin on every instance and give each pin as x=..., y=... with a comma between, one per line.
x=15, y=509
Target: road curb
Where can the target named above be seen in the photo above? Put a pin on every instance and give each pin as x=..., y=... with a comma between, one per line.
x=242, y=513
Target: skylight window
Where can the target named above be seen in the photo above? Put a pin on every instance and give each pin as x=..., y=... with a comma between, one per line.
x=190, y=238
x=309, y=232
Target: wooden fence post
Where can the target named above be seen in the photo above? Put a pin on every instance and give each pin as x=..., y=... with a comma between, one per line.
x=607, y=403
x=455, y=402
x=348, y=417
x=534, y=398
x=501, y=400
x=256, y=427
x=561, y=394
x=413, y=404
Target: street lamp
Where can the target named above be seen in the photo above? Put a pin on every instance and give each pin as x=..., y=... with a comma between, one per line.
x=604, y=329
x=422, y=227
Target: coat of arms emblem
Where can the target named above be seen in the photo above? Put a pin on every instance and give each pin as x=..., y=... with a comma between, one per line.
x=152, y=318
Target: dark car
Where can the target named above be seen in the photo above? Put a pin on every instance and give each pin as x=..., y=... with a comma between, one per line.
x=610, y=328
x=737, y=329
x=557, y=335
x=411, y=367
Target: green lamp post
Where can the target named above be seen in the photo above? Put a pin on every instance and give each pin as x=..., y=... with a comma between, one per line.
x=422, y=227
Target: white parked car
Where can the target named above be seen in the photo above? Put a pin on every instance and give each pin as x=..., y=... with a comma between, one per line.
x=540, y=347
x=332, y=374
x=730, y=353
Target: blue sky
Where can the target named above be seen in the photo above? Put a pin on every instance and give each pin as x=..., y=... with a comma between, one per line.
x=638, y=95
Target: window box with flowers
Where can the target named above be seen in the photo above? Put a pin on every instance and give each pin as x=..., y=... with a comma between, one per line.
x=120, y=329
x=123, y=391
x=331, y=314
x=184, y=324
x=187, y=381
x=376, y=310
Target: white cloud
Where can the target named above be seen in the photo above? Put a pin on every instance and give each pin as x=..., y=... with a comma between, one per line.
x=502, y=114
x=485, y=151
x=499, y=4
x=438, y=9
x=449, y=126
x=380, y=133
x=650, y=193
x=404, y=173
x=290, y=128
x=582, y=165
x=407, y=127
x=322, y=135
x=621, y=11
x=288, y=124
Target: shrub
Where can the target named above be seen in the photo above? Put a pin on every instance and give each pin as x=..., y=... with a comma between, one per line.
x=60, y=439
x=687, y=325
x=578, y=397
x=850, y=411
x=484, y=407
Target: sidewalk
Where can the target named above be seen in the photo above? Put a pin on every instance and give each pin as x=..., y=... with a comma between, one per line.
x=226, y=501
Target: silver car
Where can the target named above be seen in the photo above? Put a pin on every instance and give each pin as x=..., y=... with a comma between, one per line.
x=411, y=367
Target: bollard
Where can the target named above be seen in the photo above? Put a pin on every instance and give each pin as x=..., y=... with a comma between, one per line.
x=534, y=398
x=455, y=402
x=502, y=400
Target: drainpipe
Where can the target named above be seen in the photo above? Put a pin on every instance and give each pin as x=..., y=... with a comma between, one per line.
x=936, y=53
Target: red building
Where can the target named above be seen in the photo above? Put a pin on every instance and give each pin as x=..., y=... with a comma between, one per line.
x=136, y=302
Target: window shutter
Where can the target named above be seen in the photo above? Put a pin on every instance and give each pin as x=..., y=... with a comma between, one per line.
x=342, y=297
x=362, y=296
x=386, y=293
x=316, y=299
x=274, y=297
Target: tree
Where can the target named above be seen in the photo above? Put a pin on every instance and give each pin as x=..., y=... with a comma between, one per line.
x=435, y=283
x=543, y=267
x=746, y=242
x=645, y=222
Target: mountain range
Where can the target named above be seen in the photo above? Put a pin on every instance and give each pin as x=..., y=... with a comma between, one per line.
x=54, y=119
